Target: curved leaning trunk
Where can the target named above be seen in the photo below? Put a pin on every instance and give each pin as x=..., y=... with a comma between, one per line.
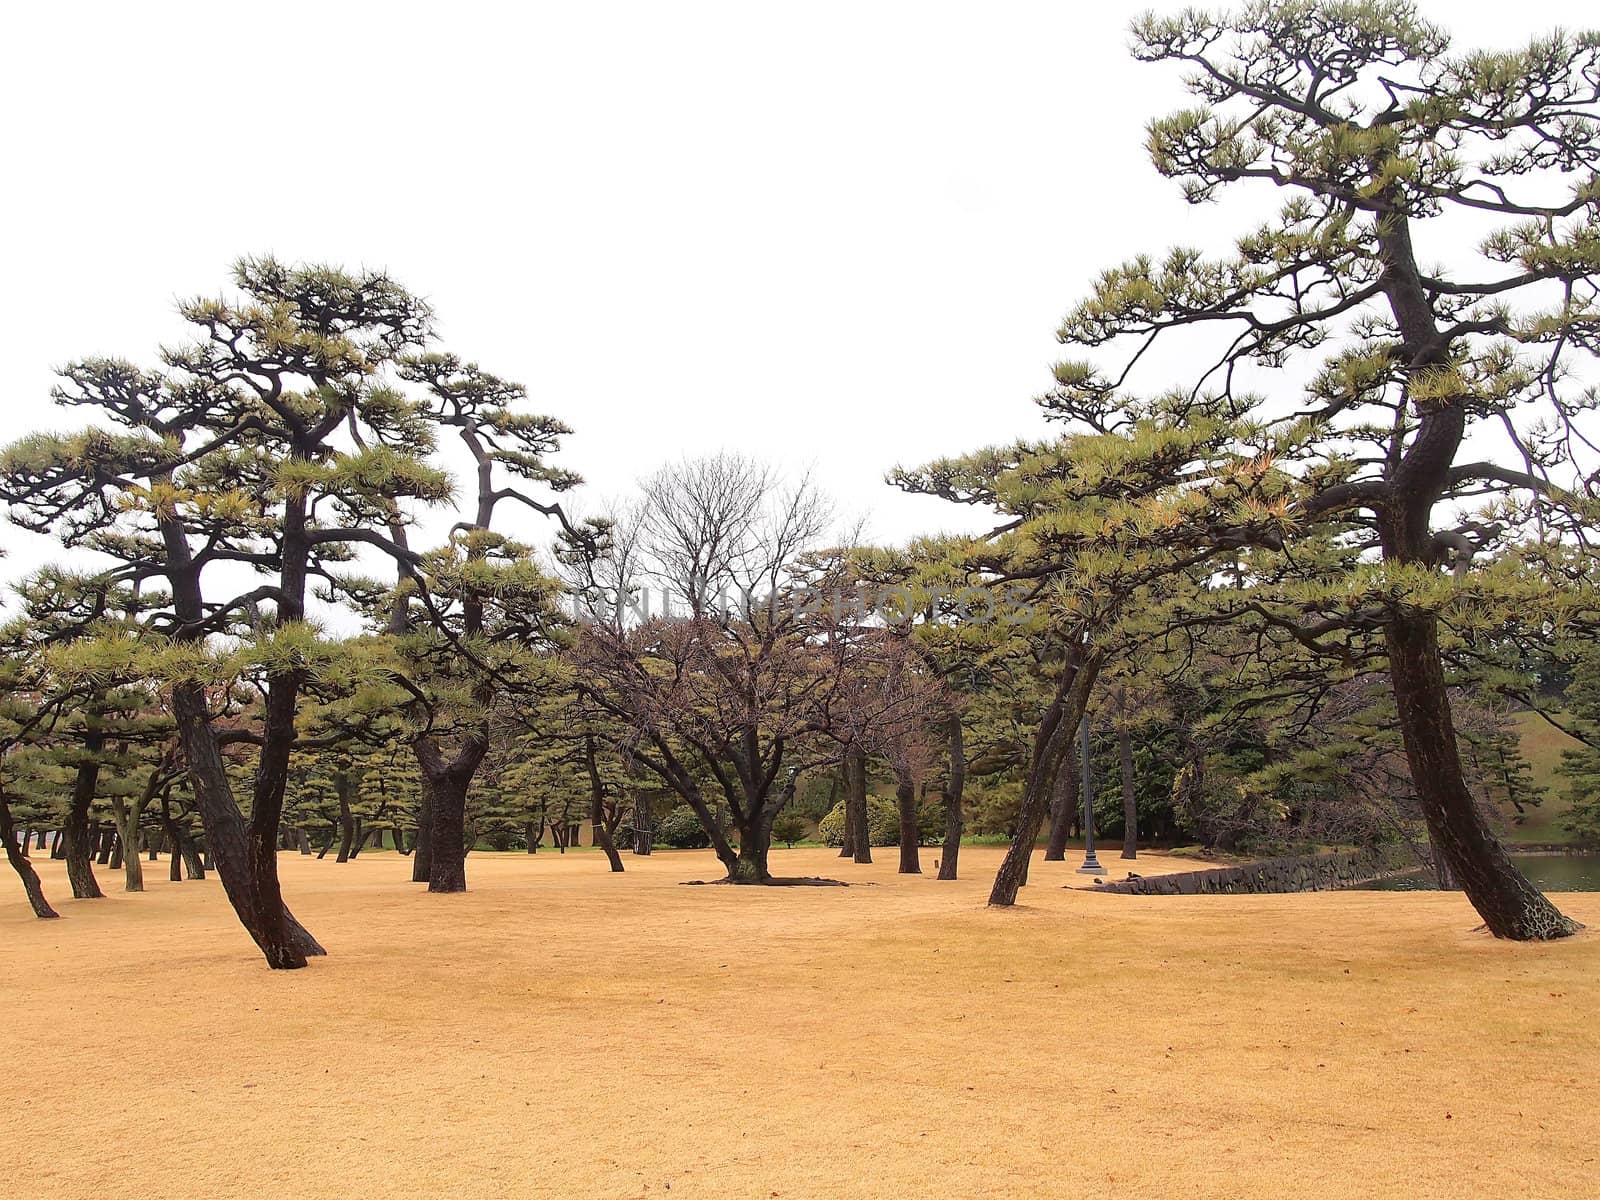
x=1064, y=805
x=246, y=863
x=1051, y=746
x=1511, y=907
x=609, y=845
x=597, y=807
x=17, y=856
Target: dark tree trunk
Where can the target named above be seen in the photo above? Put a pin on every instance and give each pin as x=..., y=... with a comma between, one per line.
x=1064, y=805
x=78, y=838
x=905, y=796
x=447, y=871
x=116, y=852
x=1051, y=744
x=755, y=840
x=597, y=805
x=530, y=834
x=56, y=852
x=444, y=795
x=193, y=865
x=107, y=838
x=347, y=824
x=245, y=856
x=17, y=855
x=855, y=804
x=847, y=844
x=302, y=843
x=333, y=838
x=422, y=852
x=609, y=845
x=954, y=819
x=642, y=832
x=174, y=863
x=1511, y=907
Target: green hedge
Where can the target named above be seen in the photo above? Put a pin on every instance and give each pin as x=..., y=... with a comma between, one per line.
x=883, y=823
x=681, y=830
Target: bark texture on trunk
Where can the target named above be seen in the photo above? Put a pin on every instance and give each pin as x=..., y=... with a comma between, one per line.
x=597, y=806
x=16, y=847
x=1417, y=481
x=1051, y=744
x=1511, y=907
x=245, y=858
x=855, y=802
x=445, y=782
x=954, y=817
x=343, y=785
x=1065, y=805
x=422, y=852
x=127, y=816
x=905, y=796
x=77, y=835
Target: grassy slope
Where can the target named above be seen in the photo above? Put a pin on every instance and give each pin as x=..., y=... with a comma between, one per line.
x=1542, y=744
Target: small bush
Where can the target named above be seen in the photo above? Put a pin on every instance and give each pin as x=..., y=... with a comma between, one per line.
x=504, y=839
x=883, y=824
x=682, y=830
x=788, y=828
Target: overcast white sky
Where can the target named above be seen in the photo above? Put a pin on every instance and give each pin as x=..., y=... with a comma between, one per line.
x=831, y=234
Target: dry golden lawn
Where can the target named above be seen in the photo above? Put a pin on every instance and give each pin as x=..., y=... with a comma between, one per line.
x=559, y=1031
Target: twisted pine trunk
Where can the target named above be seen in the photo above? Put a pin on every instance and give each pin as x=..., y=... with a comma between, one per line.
x=77, y=835
x=1065, y=805
x=17, y=856
x=246, y=863
x=597, y=806
x=1051, y=745
x=444, y=799
x=1510, y=905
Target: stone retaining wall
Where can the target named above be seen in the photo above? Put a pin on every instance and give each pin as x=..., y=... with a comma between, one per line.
x=1308, y=873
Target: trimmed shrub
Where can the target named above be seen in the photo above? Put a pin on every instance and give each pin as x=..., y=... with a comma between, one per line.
x=789, y=828
x=883, y=824
x=681, y=830
x=504, y=839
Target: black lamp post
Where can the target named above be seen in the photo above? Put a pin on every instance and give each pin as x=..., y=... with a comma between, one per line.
x=1091, y=865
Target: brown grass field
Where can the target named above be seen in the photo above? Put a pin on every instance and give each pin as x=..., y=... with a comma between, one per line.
x=558, y=1031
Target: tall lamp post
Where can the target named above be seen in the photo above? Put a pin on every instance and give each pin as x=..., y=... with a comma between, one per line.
x=1091, y=865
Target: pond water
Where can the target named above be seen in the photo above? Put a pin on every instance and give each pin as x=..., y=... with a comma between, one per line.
x=1549, y=873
